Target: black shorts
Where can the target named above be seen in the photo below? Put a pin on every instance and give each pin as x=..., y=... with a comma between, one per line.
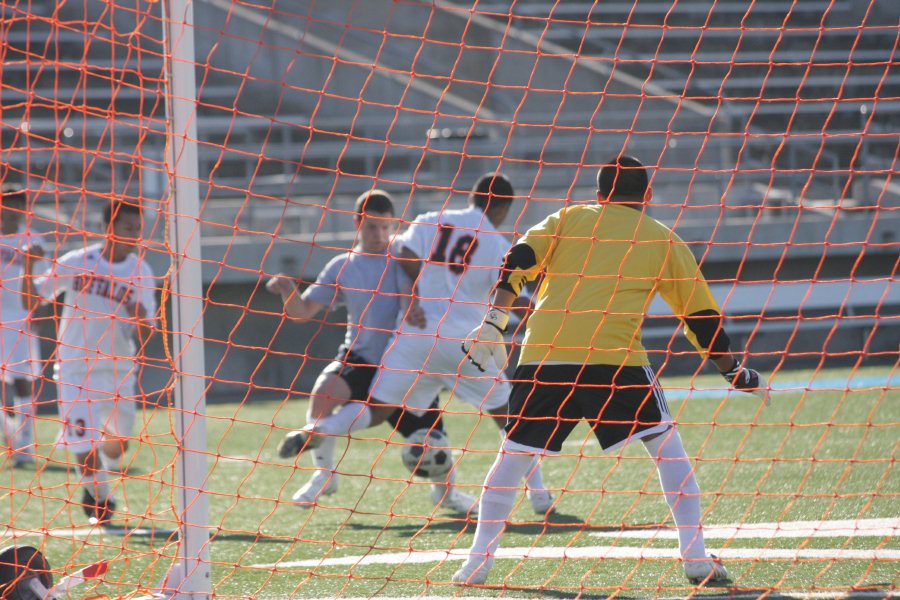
x=358, y=374
x=356, y=371
x=548, y=401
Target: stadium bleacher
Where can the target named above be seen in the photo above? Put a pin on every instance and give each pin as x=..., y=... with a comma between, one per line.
x=757, y=115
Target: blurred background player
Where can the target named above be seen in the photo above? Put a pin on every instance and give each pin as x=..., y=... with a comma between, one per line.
x=107, y=296
x=19, y=353
x=582, y=357
x=368, y=282
x=453, y=258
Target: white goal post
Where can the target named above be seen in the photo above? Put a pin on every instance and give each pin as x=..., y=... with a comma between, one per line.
x=190, y=577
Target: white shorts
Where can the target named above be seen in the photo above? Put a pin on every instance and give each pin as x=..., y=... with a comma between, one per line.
x=19, y=354
x=415, y=369
x=94, y=405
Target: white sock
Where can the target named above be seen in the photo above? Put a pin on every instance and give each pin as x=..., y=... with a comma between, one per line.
x=535, y=477
x=323, y=454
x=444, y=481
x=109, y=464
x=24, y=435
x=8, y=424
x=97, y=484
x=676, y=474
x=501, y=486
x=351, y=417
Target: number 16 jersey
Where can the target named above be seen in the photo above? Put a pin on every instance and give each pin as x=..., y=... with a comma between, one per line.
x=462, y=253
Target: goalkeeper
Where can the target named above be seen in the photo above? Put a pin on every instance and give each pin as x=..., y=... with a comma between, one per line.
x=582, y=357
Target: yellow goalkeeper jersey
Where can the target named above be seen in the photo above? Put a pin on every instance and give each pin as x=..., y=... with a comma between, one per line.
x=602, y=265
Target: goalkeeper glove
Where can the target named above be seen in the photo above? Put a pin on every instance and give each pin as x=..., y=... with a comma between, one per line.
x=747, y=380
x=486, y=341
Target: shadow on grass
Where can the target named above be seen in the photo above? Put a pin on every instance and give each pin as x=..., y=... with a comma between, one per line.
x=46, y=466
x=55, y=467
x=554, y=523
x=253, y=538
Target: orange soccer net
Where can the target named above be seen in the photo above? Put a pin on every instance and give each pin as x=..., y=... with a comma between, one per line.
x=245, y=132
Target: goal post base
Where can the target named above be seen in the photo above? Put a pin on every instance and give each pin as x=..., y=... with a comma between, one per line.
x=188, y=579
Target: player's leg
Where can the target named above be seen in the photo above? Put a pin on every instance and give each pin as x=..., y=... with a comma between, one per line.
x=330, y=390
x=7, y=422
x=118, y=415
x=19, y=353
x=542, y=500
x=22, y=438
x=343, y=384
x=539, y=422
x=115, y=408
x=351, y=416
x=401, y=382
x=82, y=435
x=682, y=493
x=637, y=409
x=444, y=492
x=406, y=422
x=392, y=386
x=676, y=476
x=491, y=395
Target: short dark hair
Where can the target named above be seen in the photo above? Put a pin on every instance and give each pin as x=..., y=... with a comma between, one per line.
x=118, y=207
x=13, y=192
x=623, y=178
x=492, y=188
x=374, y=201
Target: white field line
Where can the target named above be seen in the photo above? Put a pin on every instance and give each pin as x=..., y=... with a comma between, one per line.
x=784, y=529
x=787, y=529
x=728, y=593
x=589, y=553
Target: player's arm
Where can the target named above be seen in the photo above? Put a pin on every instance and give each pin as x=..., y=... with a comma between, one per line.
x=710, y=338
x=296, y=307
x=685, y=290
x=521, y=309
x=411, y=265
x=143, y=322
x=486, y=341
x=31, y=299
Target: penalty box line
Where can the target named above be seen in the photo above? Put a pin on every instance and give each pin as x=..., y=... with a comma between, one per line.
x=768, y=531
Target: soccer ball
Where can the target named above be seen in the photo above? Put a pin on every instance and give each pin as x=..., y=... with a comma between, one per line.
x=427, y=453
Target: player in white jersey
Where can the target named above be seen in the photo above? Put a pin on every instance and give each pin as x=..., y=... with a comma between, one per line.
x=454, y=258
x=19, y=355
x=107, y=297
x=367, y=280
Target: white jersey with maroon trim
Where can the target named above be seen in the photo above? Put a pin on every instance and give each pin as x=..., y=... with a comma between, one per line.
x=462, y=253
x=96, y=331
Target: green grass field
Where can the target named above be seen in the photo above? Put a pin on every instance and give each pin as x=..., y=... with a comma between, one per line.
x=819, y=455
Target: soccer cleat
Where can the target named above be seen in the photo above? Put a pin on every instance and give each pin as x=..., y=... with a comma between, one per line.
x=322, y=483
x=296, y=442
x=474, y=571
x=452, y=499
x=98, y=513
x=706, y=570
x=542, y=501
